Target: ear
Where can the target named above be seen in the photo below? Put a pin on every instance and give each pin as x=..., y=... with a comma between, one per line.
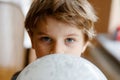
x=85, y=46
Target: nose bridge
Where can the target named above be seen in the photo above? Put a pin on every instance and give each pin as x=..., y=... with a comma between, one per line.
x=57, y=47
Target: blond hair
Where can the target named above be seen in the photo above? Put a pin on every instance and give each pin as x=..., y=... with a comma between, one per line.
x=77, y=12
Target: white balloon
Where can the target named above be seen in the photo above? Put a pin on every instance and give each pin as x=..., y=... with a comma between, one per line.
x=61, y=67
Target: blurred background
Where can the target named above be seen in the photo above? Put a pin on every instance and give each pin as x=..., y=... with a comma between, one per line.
x=15, y=47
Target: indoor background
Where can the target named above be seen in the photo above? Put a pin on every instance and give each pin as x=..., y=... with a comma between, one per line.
x=15, y=47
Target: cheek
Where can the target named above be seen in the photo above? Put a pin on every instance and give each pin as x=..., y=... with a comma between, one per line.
x=77, y=48
x=41, y=50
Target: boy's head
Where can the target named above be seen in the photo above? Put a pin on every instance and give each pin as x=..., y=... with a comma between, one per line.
x=60, y=26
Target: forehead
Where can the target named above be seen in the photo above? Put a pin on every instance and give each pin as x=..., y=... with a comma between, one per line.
x=57, y=29
x=52, y=24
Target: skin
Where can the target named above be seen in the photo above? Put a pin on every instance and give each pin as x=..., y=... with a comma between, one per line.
x=54, y=37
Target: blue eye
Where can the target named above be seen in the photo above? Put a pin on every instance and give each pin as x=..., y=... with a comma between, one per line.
x=45, y=39
x=70, y=40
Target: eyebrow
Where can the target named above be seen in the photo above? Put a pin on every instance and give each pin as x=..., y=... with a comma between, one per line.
x=42, y=33
x=72, y=34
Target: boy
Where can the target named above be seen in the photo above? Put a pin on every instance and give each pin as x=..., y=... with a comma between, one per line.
x=60, y=26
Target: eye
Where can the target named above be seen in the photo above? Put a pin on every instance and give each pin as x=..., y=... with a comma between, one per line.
x=70, y=40
x=45, y=39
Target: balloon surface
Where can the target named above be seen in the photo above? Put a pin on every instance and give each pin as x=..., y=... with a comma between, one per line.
x=61, y=67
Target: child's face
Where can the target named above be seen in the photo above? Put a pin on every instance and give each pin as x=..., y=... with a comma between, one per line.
x=57, y=37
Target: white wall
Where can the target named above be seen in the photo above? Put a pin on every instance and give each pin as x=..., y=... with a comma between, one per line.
x=114, y=16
